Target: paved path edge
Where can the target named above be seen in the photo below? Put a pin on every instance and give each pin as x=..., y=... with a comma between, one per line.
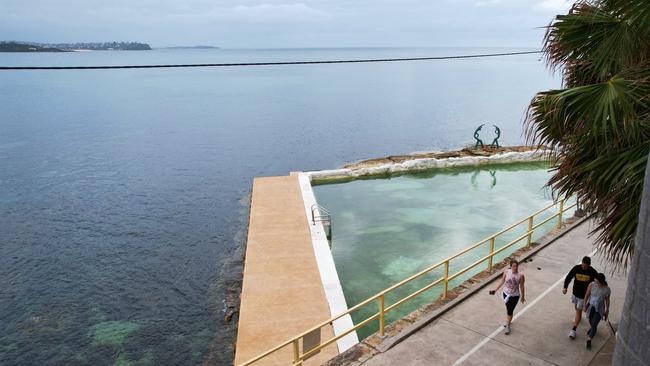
x=390, y=341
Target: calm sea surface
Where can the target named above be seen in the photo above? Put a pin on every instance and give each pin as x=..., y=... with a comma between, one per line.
x=124, y=193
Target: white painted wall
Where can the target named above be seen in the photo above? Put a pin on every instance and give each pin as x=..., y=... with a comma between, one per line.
x=329, y=276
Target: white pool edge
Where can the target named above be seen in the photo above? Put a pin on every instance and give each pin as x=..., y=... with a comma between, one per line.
x=327, y=268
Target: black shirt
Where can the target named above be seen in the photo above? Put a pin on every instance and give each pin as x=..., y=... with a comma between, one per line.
x=583, y=277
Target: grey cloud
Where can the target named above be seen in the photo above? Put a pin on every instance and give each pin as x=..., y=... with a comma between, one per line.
x=278, y=23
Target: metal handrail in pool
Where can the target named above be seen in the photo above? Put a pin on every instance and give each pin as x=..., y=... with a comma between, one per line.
x=298, y=357
x=322, y=216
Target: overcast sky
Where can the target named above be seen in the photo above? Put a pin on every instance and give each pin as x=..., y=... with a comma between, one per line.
x=283, y=23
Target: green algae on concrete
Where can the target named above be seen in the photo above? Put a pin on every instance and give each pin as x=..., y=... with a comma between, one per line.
x=384, y=230
x=111, y=333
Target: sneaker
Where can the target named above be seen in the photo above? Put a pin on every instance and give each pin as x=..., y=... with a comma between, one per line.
x=507, y=331
x=572, y=334
x=589, y=344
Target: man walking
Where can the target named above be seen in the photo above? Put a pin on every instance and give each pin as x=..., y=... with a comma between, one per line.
x=582, y=275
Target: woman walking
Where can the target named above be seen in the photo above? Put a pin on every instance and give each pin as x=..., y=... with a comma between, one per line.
x=596, y=304
x=513, y=288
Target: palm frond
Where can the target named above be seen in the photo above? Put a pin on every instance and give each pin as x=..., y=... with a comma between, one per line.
x=598, y=126
x=592, y=42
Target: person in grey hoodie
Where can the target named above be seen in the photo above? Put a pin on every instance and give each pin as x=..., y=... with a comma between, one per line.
x=596, y=304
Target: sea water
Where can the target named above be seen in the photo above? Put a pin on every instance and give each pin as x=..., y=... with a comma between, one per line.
x=124, y=193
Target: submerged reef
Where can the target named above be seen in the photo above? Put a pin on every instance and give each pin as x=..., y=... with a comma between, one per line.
x=111, y=333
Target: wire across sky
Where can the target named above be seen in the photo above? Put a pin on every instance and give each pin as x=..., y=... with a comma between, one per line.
x=280, y=63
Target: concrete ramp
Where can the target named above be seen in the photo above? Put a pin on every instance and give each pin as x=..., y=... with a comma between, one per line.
x=282, y=293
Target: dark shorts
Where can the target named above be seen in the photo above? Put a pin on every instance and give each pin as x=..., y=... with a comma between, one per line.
x=511, y=303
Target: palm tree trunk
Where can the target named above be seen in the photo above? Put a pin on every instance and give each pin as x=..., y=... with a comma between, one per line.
x=633, y=338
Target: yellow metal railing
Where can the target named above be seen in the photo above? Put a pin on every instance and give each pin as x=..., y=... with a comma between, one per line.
x=298, y=358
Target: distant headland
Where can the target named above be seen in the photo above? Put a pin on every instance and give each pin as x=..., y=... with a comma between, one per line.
x=200, y=47
x=12, y=46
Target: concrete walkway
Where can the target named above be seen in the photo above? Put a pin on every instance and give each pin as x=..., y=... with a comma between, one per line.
x=282, y=293
x=472, y=333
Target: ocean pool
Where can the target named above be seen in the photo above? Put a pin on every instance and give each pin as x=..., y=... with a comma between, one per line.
x=386, y=229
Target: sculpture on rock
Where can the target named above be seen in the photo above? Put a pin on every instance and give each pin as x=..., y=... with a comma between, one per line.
x=495, y=142
x=479, y=142
x=478, y=139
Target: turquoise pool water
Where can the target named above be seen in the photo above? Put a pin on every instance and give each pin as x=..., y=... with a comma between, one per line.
x=384, y=230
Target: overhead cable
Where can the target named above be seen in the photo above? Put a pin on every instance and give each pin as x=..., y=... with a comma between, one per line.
x=279, y=63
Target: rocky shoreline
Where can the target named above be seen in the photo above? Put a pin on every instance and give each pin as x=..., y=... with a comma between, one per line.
x=422, y=161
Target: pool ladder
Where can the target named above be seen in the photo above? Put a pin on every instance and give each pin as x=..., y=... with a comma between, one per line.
x=322, y=215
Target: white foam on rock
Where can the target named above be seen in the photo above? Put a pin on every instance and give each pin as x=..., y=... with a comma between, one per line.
x=419, y=164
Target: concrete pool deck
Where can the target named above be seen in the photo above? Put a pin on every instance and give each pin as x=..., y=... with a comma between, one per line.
x=471, y=332
x=282, y=292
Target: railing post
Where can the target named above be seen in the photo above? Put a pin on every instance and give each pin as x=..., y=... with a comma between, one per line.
x=491, y=252
x=381, y=315
x=444, y=294
x=296, y=352
x=559, y=217
x=530, y=231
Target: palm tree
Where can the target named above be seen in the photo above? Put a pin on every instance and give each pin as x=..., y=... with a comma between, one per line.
x=598, y=126
x=598, y=131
